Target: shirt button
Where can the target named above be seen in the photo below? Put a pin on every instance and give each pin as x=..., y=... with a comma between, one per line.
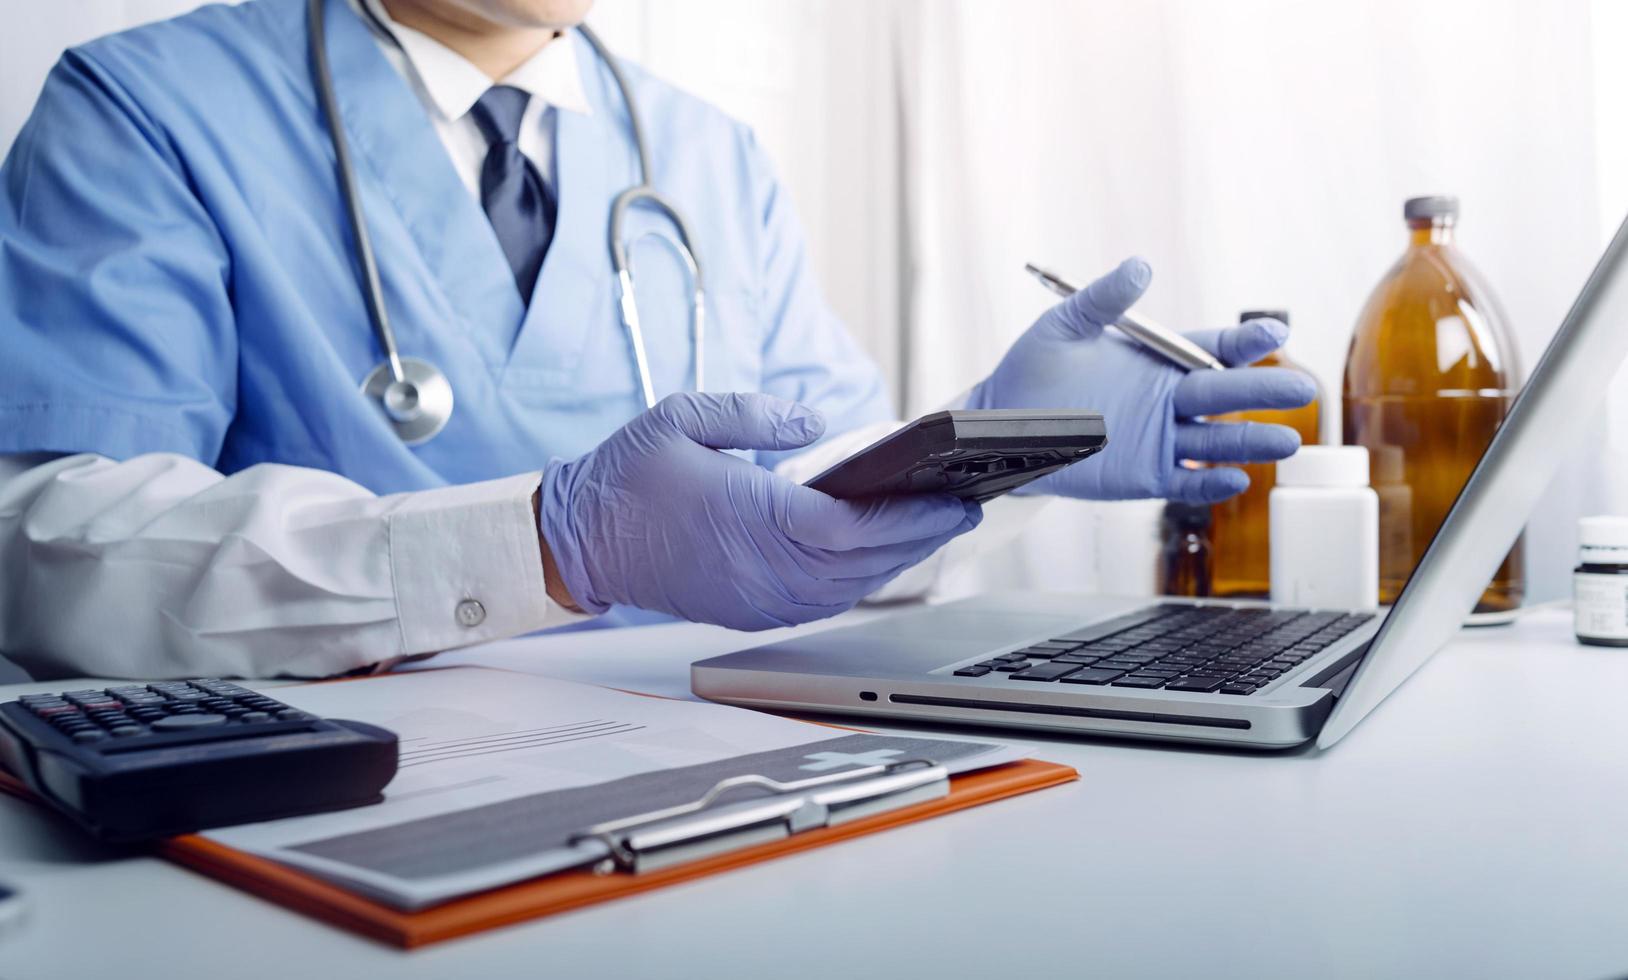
x=471, y=613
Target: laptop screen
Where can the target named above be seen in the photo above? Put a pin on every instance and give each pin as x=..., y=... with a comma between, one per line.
x=1542, y=426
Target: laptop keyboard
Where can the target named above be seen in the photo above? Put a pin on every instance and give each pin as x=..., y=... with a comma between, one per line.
x=1181, y=648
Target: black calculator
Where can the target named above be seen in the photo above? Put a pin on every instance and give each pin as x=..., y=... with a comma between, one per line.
x=974, y=454
x=150, y=760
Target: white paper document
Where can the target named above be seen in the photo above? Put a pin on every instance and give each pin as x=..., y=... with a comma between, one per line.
x=500, y=769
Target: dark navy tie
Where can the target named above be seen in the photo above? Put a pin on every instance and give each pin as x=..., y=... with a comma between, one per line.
x=517, y=201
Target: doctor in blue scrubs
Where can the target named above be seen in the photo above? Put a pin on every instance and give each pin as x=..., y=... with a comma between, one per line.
x=192, y=481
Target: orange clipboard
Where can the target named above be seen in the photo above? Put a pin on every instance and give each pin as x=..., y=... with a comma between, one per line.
x=559, y=892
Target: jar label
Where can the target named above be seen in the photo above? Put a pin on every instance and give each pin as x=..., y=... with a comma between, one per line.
x=1601, y=605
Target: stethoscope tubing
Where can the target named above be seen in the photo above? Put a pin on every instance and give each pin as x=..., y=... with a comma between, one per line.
x=372, y=286
x=621, y=255
x=397, y=384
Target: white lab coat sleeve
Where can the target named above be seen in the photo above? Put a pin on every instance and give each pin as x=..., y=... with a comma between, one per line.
x=159, y=566
x=1004, y=517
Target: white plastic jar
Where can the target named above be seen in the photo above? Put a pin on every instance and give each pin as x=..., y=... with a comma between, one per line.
x=1324, y=530
x=1600, y=584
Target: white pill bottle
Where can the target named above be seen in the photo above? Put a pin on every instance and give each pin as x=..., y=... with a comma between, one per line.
x=1324, y=530
x=1600, y=584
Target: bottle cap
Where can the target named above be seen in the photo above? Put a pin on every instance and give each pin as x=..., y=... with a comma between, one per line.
x=1325, y=466
x=1188, y=517
x=1434, y=206
x=1604, y=540
x=1281, y=316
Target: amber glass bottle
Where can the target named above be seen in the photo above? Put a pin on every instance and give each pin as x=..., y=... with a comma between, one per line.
x=1238, y=526
x=1184, y=561
x=1430, y=375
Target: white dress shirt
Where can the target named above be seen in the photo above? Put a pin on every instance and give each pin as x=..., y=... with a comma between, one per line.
x=449, y=86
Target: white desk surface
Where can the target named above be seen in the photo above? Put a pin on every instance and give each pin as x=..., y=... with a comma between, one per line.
x=1475, y=826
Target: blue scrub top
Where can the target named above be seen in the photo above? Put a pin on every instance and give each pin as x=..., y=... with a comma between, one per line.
x=176, y=273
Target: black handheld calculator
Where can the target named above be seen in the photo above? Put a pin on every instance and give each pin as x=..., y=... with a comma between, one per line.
x=141, y=761
x=974, y=454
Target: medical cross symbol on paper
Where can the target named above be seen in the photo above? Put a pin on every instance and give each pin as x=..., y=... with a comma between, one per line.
x=836, y=760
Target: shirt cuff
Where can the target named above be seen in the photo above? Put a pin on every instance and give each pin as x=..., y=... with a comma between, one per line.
x=467, y=566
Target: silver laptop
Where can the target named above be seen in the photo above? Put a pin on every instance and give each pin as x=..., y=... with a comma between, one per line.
x=1236, y=673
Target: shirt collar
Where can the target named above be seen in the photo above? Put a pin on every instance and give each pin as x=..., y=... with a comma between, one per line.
x=454, y=84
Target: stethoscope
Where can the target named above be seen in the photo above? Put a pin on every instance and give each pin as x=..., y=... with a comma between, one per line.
x=414, y=394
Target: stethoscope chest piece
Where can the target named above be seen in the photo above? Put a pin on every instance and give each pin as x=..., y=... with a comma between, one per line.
x=417, y=405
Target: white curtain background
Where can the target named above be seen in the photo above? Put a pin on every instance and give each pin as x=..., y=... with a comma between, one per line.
x=1255, y=151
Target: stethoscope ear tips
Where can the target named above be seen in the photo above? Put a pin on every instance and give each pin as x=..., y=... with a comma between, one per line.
x=418, y=405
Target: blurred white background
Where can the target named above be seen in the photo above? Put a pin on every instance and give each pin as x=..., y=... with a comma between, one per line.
x=1257, y=152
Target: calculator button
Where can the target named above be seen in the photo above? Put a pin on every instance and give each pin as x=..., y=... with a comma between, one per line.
x=254, y=716
x=87, y=735
x=125, y=731
x=179, y=723
x=56, y=709
x=290, y=714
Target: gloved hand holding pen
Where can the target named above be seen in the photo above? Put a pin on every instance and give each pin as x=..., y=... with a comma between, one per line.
x=655, y=517
x=1153, y=408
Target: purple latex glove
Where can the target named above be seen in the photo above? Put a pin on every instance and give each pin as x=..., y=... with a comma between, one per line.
x=656, y=517
x=1152, y=407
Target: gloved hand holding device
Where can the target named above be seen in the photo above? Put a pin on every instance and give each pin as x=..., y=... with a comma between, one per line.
x=1153, y=408
x=656, y=517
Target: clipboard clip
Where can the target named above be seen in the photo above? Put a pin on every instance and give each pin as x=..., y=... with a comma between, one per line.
x=704, y=827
